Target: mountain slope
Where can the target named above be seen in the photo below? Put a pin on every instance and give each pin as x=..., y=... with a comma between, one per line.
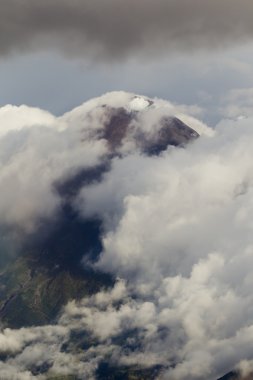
x=54, y=253
x=48, y=271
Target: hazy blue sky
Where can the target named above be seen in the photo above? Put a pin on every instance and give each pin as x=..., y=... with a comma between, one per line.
x=49, y=61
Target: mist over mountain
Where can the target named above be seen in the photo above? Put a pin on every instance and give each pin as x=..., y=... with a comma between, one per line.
x=126, y=243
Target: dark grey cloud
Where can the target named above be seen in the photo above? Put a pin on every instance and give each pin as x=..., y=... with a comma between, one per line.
x=117, y=28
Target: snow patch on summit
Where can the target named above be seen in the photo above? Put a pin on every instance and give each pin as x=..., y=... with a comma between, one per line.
x=139, y=104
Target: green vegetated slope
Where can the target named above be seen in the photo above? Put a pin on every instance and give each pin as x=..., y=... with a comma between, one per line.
x=106, y=372
x=115, y=373
x=33, y=294
x=30, y=296
x=66, y=377
x=48, y=272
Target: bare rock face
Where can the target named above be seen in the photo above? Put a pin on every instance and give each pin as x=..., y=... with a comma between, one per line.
x=173, y=132
x=124, y=125
x=117, y=127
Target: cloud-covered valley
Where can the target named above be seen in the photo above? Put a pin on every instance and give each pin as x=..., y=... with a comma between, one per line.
x=176, y=235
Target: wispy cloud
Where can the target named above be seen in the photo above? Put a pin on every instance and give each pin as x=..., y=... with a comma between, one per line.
x=177, y=231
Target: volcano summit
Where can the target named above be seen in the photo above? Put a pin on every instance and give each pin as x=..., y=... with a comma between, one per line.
x=119, y=242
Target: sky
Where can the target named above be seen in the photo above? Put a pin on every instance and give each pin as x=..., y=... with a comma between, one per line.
x=186, y=52
x=177, y=227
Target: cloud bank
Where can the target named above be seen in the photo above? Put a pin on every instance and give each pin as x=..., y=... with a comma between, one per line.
x=35, y=144
x=177, y=232
x=114, y=29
